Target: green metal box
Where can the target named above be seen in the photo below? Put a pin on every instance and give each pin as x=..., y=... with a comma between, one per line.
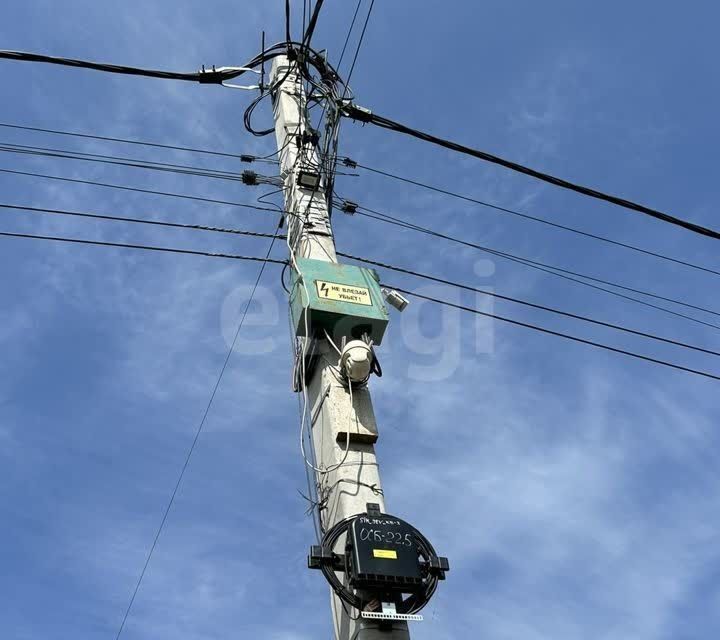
x=341, y=299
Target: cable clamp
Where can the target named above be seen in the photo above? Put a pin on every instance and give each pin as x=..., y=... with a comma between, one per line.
x=361, y=114
x=249, y=178
x=349, y=207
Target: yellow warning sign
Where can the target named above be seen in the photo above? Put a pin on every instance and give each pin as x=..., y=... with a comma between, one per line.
x=388, y=554
x=343, y=293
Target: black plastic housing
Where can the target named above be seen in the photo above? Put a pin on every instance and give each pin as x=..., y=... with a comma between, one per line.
x=384, y=555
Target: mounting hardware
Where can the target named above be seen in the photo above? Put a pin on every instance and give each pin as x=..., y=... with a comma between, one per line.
x=376, y=615
x=356, y=112
x=309, y=136
x=394, y=299
x=249, y=177
x=390, y=569
x=308, y=179
x=349, y=207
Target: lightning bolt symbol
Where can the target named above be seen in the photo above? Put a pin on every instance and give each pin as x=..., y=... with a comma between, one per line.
x=323, y=287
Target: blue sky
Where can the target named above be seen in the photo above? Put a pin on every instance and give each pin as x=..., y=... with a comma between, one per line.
x=573, y=490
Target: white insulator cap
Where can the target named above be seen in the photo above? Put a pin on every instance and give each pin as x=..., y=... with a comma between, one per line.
x=356, y=360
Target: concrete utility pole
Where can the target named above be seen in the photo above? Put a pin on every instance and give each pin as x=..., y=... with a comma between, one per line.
x=346, y=490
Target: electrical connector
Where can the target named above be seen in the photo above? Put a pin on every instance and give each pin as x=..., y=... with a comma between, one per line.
x=361, y=114
x=349, y=162
x=349, y=207
x=247, y=158
x=249, y=178
x=309, y=136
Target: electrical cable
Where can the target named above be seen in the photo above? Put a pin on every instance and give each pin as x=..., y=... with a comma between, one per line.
x=357, y=51
x=350, y=30
x=307, y=37
x=128, y=141
x=105, y=156
x=287, y=22
x=206, y=77
x=123, y=162
x=552, y=270
x=159, y=223
x=123, y=245
x=197, y=436
x=215, y=75
x=558, y=334
x=138, y=190
x=365, y=116
x=533, y=305
x=535, y=218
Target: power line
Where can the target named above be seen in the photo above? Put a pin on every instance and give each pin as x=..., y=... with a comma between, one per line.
x=120, y=161
x=159, y=223
x=349, y=33
x=197, y=437
x=288, y=37
x=213, y=76
x=139, y=190
x=566, y=336
x=533, y=305
x=533, y=218
x=105, y=156
x=307, y=37
x=123, y=245
x=366, y=116
x=142, y=143
x=549, y=269
x=360, y=41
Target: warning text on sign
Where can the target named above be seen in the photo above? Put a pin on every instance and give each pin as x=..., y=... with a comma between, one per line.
x=343, y=293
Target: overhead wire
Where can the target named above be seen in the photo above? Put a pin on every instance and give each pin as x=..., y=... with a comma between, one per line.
x=120, y=161
x=558, y=272
x=125, y=245
x=287, y=21
x=366, y=116
x=312, y=24
x=138, y=190
x=411, y=293
x=198, y=432
x=143, y=143
x=360, y=42
x=145, y=221
x=559, y=334
x=545, y=221
x=349, y=33
x=204, y=76
x=526, y=303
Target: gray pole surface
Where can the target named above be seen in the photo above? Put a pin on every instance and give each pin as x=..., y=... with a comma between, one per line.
x=344, y=489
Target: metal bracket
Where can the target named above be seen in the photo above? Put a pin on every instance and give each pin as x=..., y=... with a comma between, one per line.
x=376, y=615
x=319, y=406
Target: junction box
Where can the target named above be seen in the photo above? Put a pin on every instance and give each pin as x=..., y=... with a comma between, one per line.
x=344, y=300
